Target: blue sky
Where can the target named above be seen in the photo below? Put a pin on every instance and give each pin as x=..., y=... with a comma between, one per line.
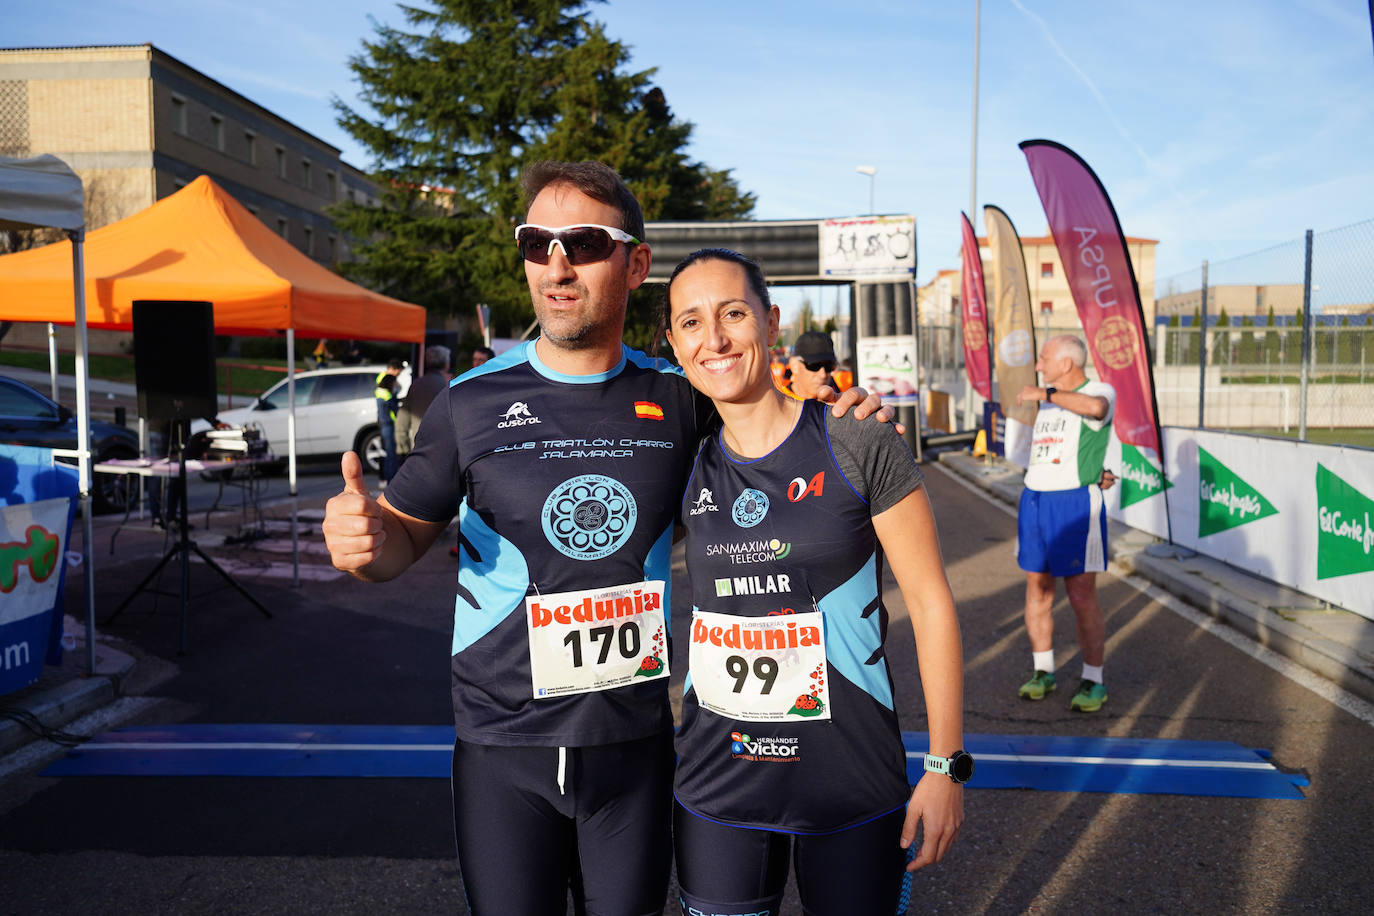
x=1218, y=127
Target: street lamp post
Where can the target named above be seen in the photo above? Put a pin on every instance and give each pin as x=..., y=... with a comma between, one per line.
x=870, y=171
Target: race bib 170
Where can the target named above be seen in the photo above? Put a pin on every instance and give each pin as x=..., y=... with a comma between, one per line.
x=596, y=639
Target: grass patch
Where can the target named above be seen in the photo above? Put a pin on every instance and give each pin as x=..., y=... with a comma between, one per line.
x=1357, y=436
x=242, y=381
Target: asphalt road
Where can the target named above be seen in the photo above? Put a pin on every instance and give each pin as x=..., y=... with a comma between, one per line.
x=340, y=652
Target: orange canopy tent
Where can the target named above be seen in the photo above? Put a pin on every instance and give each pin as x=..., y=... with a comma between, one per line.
x=201, y=244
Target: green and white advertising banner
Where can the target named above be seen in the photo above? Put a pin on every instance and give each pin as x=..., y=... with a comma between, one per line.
x=1296, y=513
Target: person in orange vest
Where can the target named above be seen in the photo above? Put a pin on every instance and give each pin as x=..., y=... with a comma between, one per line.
x=843, y=376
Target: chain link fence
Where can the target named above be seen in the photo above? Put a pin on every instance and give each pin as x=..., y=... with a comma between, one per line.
x=1273, y=342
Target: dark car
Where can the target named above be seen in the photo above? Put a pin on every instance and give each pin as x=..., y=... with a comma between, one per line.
x=28, y=417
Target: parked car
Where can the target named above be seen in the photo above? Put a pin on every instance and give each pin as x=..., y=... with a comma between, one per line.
x=335, y=412
x=29, y=417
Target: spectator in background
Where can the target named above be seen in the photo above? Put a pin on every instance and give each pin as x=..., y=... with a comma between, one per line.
x=481, y=355
x=1062, y=520
x=843, y=376
x=353, y=355
x=417, y=400
x=388, y=400
x=812, y=361
x=321, y=354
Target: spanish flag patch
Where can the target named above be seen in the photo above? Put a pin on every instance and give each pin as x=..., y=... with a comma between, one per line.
x=648, y=410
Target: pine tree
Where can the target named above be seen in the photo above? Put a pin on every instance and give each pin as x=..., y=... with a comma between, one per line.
x=457, y=102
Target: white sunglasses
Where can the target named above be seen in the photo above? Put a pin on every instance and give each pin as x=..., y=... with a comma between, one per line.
x=584, y=243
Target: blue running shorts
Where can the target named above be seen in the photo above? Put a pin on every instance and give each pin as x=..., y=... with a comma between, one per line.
x=1062, y=532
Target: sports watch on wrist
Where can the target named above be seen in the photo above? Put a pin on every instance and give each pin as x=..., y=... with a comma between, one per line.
x=957, y=766
x=1049, y=393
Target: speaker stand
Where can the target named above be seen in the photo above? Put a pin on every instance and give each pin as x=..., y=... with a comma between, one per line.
x=182, y=550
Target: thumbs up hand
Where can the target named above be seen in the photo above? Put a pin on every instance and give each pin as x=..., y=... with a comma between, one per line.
x=353, y=529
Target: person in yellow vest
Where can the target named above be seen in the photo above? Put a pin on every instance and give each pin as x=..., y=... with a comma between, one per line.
x=321, y=354
x=388, y=401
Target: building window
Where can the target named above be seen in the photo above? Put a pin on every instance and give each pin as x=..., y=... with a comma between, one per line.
x=281, y=162
x=179, y=115
x=310, y=241
x=331, y=185
x=351, y=197
x=281, y=226
x=217, y=131
x=1046, y=306
x=305, y=174
x=251, y=139
x=1047, y=268
x=333, y=247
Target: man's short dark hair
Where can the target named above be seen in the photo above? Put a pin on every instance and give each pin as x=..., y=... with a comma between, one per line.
x=487, y=351
x=398, y=364
x=595, y=179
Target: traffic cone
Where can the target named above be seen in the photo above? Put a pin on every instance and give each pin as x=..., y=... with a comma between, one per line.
x=980, y=444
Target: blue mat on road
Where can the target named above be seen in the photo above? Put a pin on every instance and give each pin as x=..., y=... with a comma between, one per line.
x=1124, y=765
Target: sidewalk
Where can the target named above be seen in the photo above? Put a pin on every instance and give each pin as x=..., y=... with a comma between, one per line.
x=1332, y=642
x=65, y=693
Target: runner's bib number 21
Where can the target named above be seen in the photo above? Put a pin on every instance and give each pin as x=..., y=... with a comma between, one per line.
x=596, y=639
x=760, y=669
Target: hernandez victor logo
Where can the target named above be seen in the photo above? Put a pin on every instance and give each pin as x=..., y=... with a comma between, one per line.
x=589, y=517
x=747, y=748
x=750, y=507
x=1345, y=538
x=1226, y=501
x=517, y=414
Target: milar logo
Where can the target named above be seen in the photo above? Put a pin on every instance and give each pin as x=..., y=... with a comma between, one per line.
x=753, y=585
x=1224, y=500
x=1140, y=479
x=1345, y=538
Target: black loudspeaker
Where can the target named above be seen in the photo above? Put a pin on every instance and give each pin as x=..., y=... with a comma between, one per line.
x=174, y=359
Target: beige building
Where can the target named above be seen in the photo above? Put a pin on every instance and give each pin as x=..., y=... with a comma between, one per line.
x=938, y=300
x=137, y=125
x=1238, y=299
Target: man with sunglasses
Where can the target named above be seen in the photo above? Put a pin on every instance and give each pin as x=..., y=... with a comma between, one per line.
x=809, y=368
x=565, y=460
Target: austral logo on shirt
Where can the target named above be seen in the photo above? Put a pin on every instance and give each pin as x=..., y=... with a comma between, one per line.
x=517, y=414
x=705, y=503
x=1345, y=538
x=1140, y=479
x=1226, y=501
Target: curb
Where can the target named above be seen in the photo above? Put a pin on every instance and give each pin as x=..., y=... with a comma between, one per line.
x=57, y=705
x=1331, y=642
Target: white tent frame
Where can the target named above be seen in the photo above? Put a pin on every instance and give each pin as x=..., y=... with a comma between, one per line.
x=43, y=192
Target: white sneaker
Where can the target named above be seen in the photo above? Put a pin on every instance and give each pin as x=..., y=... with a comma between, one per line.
x=381, y=485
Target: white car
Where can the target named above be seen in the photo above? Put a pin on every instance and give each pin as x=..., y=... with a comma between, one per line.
x=335, y=412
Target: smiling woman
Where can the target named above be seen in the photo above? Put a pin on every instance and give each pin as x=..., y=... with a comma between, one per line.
x=787, y=647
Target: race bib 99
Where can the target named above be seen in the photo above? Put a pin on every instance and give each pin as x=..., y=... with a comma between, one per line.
x=760, y=669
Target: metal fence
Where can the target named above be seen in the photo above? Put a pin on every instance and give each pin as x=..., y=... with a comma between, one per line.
x=1280, y=341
